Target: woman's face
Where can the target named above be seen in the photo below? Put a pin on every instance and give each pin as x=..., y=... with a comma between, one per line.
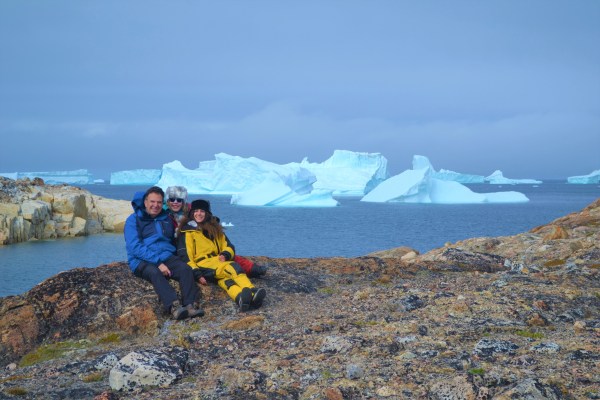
x=199, y=215
x=175, y=204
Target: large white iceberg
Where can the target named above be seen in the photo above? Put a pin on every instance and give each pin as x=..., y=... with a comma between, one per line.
x=348, y=173
x=250, y=181
x=593, y=177
x=497, y=178
x=75, y=177
x=419, y=185
x=135, y=177
x=344, y=173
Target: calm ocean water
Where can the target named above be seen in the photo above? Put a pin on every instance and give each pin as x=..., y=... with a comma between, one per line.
x=352, y=229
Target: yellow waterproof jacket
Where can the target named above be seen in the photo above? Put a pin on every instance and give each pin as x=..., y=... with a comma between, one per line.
x=199, y=251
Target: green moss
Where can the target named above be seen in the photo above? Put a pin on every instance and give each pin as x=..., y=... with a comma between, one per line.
x=17, y=391
x=327, y=290
x=529, y=334
x=326, y=374
x=50, y=352
x=476, y=371
x=110, y=338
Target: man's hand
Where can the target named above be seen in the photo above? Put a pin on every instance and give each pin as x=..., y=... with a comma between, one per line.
x=222, y=258
x=165, y=270
x=202, y=280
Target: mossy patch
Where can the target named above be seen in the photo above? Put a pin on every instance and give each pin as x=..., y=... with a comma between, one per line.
x=476, y=371
x=17, y=391
x=529, y=334
x=51, y=352
x=110, y=338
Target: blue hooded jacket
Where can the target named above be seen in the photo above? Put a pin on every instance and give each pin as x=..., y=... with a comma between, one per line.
x=146, y=238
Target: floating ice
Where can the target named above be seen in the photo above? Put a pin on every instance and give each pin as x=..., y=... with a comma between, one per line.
x=496, y=178
x=593, y=177
x=420, y=185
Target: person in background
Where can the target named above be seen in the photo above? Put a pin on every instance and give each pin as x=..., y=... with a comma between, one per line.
x=177, y=207
x=205, y=247
x=149, y=240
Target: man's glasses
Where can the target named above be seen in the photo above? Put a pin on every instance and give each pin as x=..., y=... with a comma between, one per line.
x=175, y=200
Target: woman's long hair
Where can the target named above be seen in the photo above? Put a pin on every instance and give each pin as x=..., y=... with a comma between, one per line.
x=210, y=227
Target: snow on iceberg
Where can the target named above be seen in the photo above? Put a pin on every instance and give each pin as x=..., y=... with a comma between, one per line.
x=593, y=177
x=293, y=188
x=348, y=173
x=420, y=185
x=196, y=181
x=447, y=175
x=497, y=178
x=75, y=177
x=135, y=177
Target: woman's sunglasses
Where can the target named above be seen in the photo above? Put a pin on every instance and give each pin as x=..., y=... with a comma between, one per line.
x=175, y=200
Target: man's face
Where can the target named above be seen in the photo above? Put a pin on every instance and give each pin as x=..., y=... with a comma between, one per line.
x=153, y=204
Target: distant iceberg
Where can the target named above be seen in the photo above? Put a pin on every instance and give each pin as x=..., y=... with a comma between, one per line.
x=447, y=175
x=75, y=177
x=420, y=185
x=135, y=177
x=591, y=178
x=345, y=173
x=497, y=178
x=348, y=173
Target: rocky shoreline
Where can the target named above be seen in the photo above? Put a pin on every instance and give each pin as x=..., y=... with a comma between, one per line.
x=514, y=317
x=31, y=209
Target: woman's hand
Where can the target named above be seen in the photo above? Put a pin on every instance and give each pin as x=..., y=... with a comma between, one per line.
x=222, y=258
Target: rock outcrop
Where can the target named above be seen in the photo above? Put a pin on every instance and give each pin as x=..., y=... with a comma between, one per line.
x=33, y=210
x=505, y=318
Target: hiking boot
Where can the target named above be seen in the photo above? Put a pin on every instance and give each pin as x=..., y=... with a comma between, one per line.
x=258, y=295
x=194, y=311
x=244, y=299
x=257, y=271
x=178, y=312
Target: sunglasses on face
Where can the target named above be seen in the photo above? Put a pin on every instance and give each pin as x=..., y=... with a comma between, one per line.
x=175, y=200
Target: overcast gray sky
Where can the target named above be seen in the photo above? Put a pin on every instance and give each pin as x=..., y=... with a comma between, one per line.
x=474, y=85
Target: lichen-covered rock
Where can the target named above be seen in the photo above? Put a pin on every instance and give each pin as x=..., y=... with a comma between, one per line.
x=154, y=368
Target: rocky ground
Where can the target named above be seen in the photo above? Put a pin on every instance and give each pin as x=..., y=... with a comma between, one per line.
x=505, y=318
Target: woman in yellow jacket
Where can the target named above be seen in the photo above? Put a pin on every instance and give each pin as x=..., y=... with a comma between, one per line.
x=203, y=244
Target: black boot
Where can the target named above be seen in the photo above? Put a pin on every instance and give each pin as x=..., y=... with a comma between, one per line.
x=257, y=271
x=258, y=295
x=244, y=299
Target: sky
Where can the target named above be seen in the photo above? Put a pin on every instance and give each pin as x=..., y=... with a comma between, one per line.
x=475, y=86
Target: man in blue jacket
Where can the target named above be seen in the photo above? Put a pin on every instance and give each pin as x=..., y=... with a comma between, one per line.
x=149, y=239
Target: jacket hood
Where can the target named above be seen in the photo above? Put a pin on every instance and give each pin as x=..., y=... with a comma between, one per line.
x=138, y=202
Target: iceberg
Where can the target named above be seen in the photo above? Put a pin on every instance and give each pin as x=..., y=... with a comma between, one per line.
x=496, y=178
x=420, y=185
x=345, y=173
x=348, y=173
x=292, y=190
x=75, y=177
x=135, y=177
x=196, y=181
x=447, y=175
x=250, y=181
x=593, y=177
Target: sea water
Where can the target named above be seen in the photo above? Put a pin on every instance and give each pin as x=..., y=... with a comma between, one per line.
x=352, y=229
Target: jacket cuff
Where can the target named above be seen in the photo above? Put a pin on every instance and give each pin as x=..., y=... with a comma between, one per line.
x=227, y=255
